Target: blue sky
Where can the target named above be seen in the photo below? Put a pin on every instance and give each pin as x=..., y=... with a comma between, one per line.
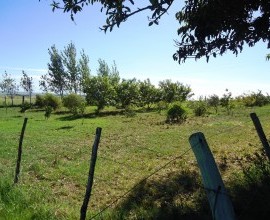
x=29, y=28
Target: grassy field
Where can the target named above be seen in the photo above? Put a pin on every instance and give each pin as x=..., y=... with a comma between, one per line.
x=56, y=155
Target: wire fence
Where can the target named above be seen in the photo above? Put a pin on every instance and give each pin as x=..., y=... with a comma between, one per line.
x=15, y=100
x=234, y=130
x=119, y=173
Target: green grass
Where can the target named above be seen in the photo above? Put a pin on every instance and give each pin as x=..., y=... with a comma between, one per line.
x=56, y=155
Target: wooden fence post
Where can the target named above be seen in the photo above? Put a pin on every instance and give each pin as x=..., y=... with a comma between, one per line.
x=19, y=158
x=218, y=198
x=90, y=175
x=261, y=133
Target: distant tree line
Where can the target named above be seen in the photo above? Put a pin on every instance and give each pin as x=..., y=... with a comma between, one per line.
x=71, y=76
x=67, y=75
x=10, y=88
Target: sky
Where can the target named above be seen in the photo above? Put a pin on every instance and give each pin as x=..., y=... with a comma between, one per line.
x=29, y=28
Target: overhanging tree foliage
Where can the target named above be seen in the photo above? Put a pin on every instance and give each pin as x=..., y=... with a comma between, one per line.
x=206, y=27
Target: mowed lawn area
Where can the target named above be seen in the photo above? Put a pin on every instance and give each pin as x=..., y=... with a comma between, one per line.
x=56, y=154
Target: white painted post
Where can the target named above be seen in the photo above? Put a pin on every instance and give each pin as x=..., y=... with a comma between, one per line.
x=218, y=198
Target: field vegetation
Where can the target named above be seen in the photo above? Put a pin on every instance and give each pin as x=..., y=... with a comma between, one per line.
x=132, y=155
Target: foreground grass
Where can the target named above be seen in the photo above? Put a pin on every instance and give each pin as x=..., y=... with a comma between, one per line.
x=56, y=156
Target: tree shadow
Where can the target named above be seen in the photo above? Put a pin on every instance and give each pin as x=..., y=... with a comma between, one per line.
x=17, y=116
x=182, y=196
x=104, y=113
x=89, y=115
x=177, y=197
x=251, y=192
x=69, y=118
x=65, y=128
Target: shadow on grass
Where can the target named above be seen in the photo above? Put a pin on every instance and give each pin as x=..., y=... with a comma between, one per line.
x=251, y=193
x=101, y=114
x=69, y=118
x=17, y=116
x=89, y=115
x=65, y=128
x=181, y=196
x=178, y=196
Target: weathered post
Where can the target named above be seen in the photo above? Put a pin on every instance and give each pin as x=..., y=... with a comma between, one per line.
x=91, y=174
x=19, y=158
x=218, y=198
x=261, y=133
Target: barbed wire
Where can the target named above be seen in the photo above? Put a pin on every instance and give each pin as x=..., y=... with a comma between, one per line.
x=120, y=163
x=138, y=183
x=169, y=162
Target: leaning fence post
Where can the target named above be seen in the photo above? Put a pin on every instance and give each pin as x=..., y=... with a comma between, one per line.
x=91, y=174
x=17, y=172
x=217, y=195
x=260, y=133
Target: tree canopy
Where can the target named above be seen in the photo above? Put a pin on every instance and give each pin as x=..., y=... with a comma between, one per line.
x=206, y=27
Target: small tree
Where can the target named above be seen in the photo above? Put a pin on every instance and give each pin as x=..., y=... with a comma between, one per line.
x=40, y=102
x=226, y=101
x=84, y=70
x=174, y=91
x=72, y=68
x=128, y=93
x=176, y=113
x=51, y=100
x=74, y=103
x=214, y=102
x=148, y=93
x=100, y=89
x=48, y=112
x=56, y=78
x=254, y=99
x=27, y=84
x=100, y=92
x=200, y=107
x=9, y=87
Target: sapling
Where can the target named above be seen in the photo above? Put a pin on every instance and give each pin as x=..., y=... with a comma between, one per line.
x=48, y=111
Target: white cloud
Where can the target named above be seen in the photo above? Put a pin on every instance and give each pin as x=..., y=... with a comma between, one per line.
x=25, y=69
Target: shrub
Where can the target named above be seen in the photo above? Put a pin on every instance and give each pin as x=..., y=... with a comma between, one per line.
x=200, y=108
x=52, y=101
x=39, y=101
x=74, y=103
x=213, y=101
x=25, y=106
x=226, y=102
x=176, y=113
x=48, y=112
x=130, y=111
x=255, y=99
x=81, y=108
x=162, y=105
